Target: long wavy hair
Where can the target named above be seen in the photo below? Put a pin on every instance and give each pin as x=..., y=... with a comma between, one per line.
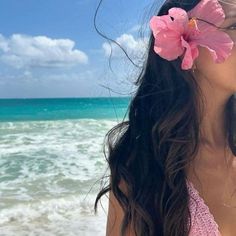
x=150, y=151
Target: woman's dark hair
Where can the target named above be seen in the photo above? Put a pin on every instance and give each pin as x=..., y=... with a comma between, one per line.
x=150, y=151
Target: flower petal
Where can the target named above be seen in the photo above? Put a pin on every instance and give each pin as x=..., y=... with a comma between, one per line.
x=167, y=30
x=190, y=55
x=178, y=14
x=219, y=43
x=180, y=19
x=169, y=51
x=211, y=11
x=159, y=23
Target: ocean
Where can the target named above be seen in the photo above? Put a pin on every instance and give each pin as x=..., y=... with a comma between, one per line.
x=51, y=163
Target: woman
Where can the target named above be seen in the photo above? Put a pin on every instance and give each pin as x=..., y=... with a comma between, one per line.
x=173, y=167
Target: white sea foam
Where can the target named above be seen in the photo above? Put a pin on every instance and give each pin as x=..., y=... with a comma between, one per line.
x=46, y=169
x=72, y=215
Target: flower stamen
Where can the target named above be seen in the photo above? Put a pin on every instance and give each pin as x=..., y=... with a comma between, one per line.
x=193, y=23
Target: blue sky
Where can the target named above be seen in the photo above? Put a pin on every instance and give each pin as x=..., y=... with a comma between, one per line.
x=51, y=49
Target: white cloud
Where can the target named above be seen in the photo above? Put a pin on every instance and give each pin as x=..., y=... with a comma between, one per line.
x=135, y=47
x=23, y=51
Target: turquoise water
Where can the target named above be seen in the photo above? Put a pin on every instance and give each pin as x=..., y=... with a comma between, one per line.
x=51, y=158
x=62, y=108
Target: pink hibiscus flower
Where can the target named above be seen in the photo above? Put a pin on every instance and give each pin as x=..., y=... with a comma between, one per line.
x=185, y=32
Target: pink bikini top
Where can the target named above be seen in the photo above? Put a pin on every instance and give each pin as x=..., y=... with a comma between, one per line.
x=203, y=222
